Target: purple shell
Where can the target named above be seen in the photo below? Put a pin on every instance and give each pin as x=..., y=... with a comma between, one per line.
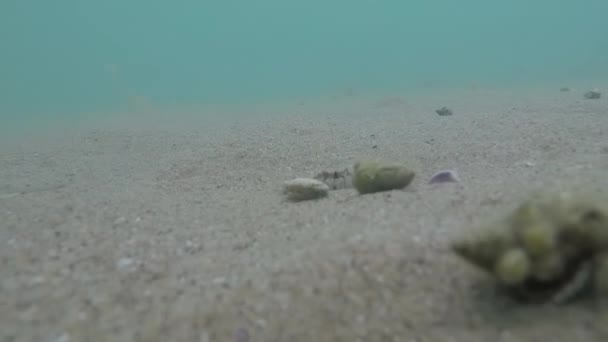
x=445, y=176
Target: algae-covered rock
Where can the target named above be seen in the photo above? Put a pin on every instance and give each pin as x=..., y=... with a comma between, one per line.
x=371, y=176
x=552, y=247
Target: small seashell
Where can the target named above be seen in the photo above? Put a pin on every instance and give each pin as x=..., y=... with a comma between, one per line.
x=303, y=189
x=445, y=176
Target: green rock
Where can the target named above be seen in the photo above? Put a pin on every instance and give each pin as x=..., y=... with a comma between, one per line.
x=370, y=177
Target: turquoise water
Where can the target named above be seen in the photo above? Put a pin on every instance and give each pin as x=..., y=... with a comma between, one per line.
x=62, y=59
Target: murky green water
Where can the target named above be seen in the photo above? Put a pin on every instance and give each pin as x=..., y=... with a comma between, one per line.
x=62, y=59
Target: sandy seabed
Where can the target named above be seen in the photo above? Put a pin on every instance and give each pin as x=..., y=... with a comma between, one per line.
x=172, y=226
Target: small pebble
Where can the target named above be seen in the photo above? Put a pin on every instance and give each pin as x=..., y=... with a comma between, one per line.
x=303, y=189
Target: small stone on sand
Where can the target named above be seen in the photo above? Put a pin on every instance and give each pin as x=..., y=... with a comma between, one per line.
x=370, y=177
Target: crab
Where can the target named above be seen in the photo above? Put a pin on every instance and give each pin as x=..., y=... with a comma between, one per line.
x=336, y=180
x=551, y=248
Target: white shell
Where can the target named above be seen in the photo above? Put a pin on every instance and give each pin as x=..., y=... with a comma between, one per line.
x=302, y=189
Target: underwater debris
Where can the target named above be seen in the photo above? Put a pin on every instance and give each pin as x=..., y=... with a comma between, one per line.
x=553, y=247
x=593, y=94
x=564, y=89
x=336, y=180
x=373, y=177
x=445, y=111
x=303, y=189
x=444, y=176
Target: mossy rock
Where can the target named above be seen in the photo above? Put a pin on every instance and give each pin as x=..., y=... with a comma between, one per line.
x=370, y=177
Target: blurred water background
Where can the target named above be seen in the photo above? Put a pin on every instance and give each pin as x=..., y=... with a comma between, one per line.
x=64, y=60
